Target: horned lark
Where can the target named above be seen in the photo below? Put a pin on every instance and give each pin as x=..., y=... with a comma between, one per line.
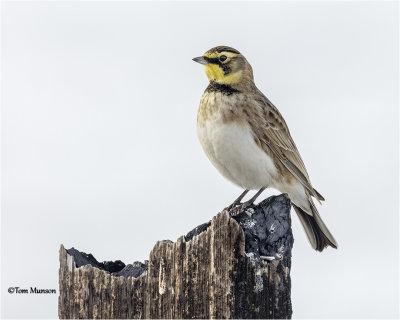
x=247, y=140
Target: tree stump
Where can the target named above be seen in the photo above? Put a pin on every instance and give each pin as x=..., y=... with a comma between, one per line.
x=230, y=267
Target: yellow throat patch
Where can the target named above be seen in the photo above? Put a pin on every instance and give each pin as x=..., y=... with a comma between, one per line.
x=215, y=72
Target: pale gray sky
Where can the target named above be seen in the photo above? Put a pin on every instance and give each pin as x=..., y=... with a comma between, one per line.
x=99, y=146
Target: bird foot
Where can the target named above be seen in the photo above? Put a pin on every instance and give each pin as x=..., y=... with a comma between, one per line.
x=233, y=205
x=236, y=208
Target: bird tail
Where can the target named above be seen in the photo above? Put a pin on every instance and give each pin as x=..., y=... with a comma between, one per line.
x=316, y=230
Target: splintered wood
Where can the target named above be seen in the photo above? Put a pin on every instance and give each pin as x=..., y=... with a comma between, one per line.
x=209, y=276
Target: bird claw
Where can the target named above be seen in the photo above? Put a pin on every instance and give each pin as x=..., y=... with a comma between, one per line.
x=236, y=208
x=233, y=205
x=233, y=211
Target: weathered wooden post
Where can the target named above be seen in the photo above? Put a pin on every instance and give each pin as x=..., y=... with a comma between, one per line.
x=230, y=267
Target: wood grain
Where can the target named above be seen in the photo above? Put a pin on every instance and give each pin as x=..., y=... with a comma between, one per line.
x=208, y=276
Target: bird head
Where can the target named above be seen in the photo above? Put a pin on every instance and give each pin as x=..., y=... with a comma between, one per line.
x=226, y=65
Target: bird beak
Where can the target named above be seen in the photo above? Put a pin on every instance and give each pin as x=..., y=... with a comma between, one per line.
x=200, y=60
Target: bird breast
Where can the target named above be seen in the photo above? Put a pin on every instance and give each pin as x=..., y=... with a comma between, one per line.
x=230, y=146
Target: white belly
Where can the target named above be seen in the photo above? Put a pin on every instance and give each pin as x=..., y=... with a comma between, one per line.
x=233, y=151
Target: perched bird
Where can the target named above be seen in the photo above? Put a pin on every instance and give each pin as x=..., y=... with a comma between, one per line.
x=247, y=140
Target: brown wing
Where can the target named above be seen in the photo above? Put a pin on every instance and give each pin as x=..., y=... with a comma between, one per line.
x=277, y=137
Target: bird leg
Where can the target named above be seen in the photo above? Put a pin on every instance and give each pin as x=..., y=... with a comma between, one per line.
x=237, y=201
x=235, y=209
x=251, y=201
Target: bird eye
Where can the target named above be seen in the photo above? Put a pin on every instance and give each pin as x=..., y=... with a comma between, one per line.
x=222, y=58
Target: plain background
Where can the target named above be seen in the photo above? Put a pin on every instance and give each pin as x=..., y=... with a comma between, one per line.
x=99, y=146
